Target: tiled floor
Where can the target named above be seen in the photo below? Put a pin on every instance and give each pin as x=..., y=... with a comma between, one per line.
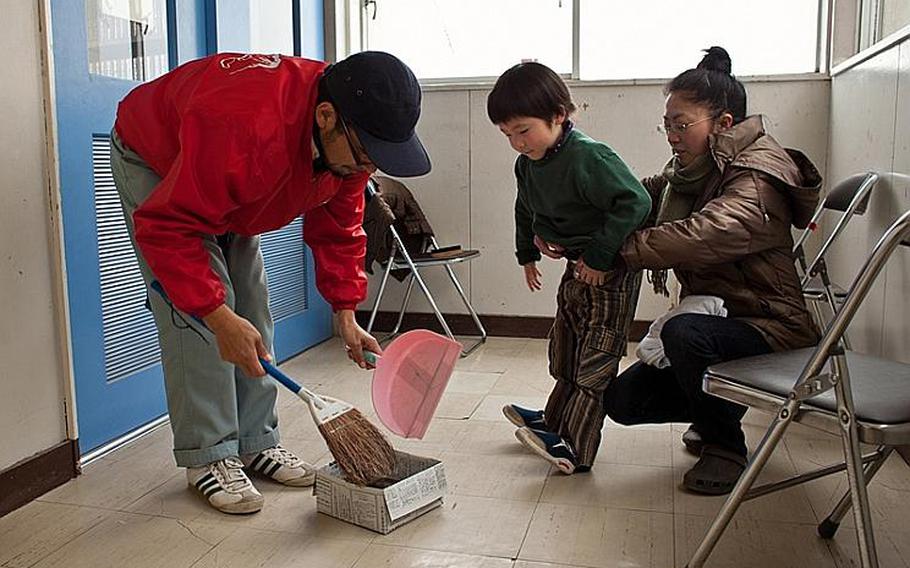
x=505, y=508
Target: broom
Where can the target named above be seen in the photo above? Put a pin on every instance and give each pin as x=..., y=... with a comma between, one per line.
x=359, y=448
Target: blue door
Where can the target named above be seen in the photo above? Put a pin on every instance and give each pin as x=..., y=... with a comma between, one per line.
x=102, y=49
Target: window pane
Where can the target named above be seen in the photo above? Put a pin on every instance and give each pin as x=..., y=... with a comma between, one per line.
x=127, y=39
x=472, y=38
x=661, y=38
x=271, y=27
x=895, y=15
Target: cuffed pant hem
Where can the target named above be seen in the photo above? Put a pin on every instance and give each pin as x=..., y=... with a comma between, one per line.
x=199, y=458
x=255, y=444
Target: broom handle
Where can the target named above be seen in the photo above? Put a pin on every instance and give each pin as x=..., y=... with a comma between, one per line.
x=300, y=390
x=292, y=385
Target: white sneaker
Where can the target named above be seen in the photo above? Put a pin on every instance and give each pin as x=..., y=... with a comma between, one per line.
x=226, y=487
x=281, y=465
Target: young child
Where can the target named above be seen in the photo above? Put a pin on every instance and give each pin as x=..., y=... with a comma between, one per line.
x=577, y=200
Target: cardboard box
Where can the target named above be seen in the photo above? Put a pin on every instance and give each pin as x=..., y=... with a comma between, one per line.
x=418, y=485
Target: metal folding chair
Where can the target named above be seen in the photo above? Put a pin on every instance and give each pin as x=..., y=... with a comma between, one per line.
x=401, y=258
x=850, y=197
x=859, y=397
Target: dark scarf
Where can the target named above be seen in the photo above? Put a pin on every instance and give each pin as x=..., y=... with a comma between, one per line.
x=684, y=186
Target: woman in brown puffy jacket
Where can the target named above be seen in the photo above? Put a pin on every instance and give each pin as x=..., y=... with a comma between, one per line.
x=724, y=207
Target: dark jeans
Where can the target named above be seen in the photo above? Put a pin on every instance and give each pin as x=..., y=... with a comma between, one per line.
x=643, y=394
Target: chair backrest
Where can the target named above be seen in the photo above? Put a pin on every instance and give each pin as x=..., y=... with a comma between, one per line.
x=898, y=234
x=843, y=194
x=850, y=197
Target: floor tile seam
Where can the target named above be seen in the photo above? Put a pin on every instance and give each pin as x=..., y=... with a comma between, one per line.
x=602, y=462
x=610, y=508
x=524, y=537
x=227, y=520
x=75, y=536
x=84, y=505
x=362, y=554
x=576, y=565
x=760, y=521
x=199, y=538
x=152, y=490
x=233, y=523
x=426, y=549
x=510, y=499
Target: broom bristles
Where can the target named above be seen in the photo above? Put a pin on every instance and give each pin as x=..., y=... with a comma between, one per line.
x=359, y=448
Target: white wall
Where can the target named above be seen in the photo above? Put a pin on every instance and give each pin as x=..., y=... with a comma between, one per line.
x=31, y=377
x=469, y=194
x=870, y=130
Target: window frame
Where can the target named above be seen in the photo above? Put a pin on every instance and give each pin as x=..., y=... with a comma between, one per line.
x=347, y=31
x=868, y=40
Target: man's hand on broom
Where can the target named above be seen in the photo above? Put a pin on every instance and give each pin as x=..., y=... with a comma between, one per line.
x=239, y=342
x=356, y=339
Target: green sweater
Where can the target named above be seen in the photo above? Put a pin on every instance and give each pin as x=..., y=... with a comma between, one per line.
x=583, y=197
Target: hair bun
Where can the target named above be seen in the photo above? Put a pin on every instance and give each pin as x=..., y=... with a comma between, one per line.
x=716, y=59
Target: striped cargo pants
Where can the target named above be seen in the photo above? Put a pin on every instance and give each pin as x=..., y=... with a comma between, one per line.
x=587, y=341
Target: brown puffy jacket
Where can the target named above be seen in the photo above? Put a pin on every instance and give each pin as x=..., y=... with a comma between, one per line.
x=737, y=244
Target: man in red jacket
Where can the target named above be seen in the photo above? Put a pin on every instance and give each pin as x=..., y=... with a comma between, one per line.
x=206, y=158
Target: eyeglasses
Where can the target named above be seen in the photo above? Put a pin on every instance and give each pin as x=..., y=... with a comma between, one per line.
x=680, y=128
x=356, y=152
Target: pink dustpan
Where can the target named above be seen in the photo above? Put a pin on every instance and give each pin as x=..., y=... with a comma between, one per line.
x=410, y=378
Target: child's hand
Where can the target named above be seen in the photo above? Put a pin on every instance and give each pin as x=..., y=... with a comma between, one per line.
x=589, y=275
x=532, y=276
x=548, y=249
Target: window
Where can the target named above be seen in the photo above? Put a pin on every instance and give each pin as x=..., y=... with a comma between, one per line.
x=471, y=38
x=661, y=38
x=607, y=40
x=127, y=39
x=271, y=27
x=880, y=18
x=895, y=15
x=256, y=26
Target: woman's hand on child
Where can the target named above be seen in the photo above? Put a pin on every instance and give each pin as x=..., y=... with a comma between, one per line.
x=589, y=275
x=548, y=249
x=532, y=276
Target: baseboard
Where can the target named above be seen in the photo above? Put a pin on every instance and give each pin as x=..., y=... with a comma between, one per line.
x=35, y=476
x=535, y=327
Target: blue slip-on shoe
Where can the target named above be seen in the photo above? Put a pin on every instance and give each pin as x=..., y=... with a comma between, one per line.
x=524, y=417
x=550, y=447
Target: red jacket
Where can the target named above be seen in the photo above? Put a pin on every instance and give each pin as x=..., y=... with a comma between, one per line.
x=230, y=135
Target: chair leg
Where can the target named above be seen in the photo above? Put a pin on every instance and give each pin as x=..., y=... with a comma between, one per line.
x=769, y=442
x=855, y=475
x=382, y=285
x=474, y=316
x=404, y=307
x=829, y=526
x=432, y=301
x=817, y=312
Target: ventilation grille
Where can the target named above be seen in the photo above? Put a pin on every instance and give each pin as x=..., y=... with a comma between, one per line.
x=130, y=338
x=285, y=260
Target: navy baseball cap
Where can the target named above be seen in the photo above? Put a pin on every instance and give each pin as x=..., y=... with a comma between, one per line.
x=379, y=97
